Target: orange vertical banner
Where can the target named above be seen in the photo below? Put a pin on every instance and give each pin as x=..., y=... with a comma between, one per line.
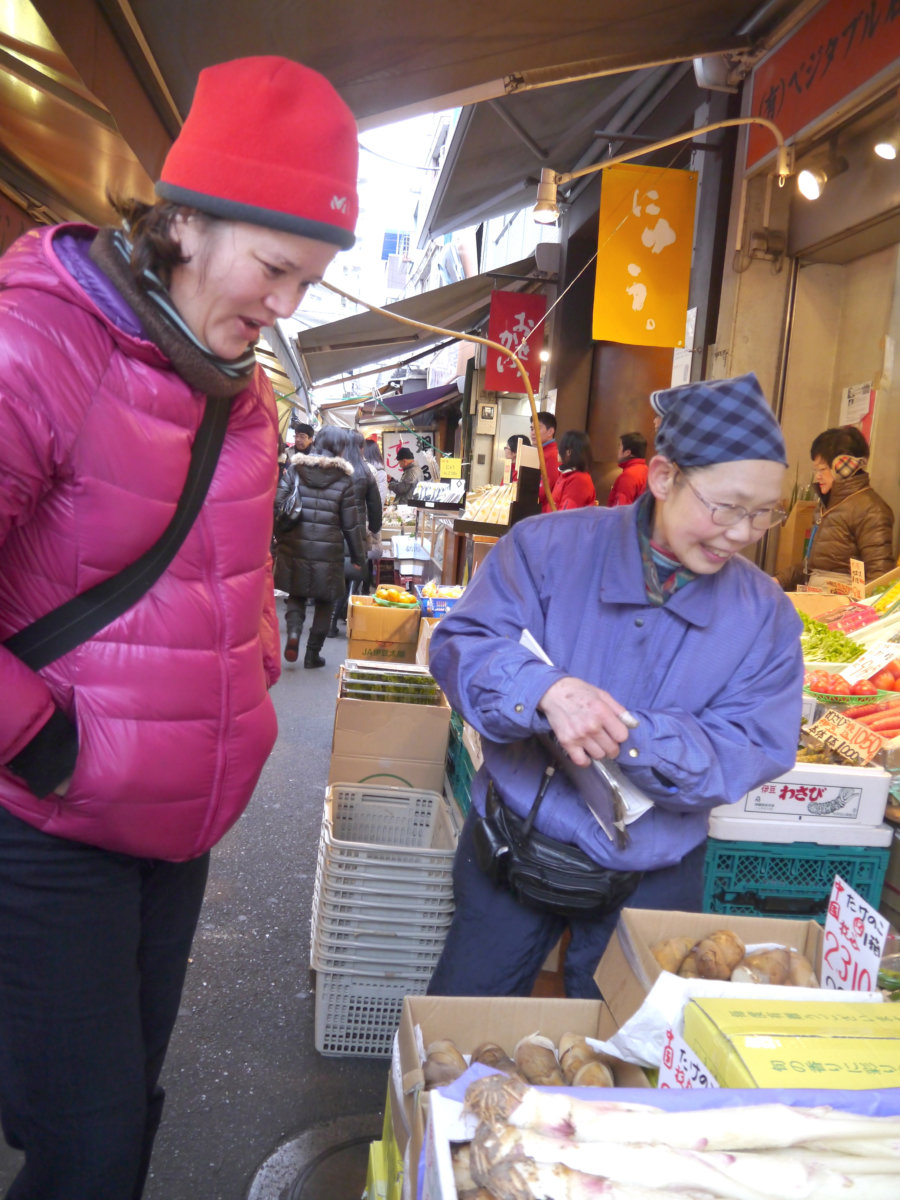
x=644, y=255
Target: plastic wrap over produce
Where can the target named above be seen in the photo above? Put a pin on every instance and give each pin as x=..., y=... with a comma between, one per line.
x=546, y=1142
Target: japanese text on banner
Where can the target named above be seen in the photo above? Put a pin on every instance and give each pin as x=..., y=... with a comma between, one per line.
x=645, y=235
x=516, y=322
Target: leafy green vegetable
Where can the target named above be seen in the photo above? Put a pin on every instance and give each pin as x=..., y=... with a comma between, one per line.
x=821, y=644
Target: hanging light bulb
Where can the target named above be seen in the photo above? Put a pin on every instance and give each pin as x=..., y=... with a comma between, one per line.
x=545, y=210
x=887, y=147
x=811, y=180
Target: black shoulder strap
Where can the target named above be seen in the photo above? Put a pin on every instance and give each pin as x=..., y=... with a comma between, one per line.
x=59, y=631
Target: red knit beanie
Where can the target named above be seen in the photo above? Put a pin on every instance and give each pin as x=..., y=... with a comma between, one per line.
x=269, y=142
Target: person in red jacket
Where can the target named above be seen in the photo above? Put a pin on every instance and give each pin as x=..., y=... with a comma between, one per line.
x=633, y=480
x=546, y=431
x=574, y=486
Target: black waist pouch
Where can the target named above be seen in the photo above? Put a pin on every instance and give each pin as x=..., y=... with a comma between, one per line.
x=540, y=871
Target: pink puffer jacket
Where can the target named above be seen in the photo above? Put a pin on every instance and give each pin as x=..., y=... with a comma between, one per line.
x=171, y=700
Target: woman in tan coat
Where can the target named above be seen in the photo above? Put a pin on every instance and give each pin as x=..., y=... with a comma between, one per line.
x=851, y=519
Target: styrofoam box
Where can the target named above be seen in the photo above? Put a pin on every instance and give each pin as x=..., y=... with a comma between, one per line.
x=729, y=828
x=816, y=792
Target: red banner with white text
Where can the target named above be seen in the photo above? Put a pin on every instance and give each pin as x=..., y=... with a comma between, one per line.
x=516, y=322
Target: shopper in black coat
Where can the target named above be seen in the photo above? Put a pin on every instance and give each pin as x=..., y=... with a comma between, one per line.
x=368, y=500
x=309, y=557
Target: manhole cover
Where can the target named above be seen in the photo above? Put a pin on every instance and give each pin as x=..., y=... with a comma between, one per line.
x=327, y=1160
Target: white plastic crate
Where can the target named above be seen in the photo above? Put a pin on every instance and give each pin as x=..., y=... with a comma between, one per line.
x=365, y=819
x=383, y=964
x=359, y=1014
x=430, y=910
x=354, y=941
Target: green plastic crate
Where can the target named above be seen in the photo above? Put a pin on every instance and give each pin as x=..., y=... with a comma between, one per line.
x=761, y=879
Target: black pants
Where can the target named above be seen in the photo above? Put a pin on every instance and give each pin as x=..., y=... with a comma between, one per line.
x=295, y=613
x=93, y=953
x=496, y=946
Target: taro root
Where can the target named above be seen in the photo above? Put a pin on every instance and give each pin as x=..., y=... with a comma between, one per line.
x=443, y=1064
x=576, y=1056
x=494, y=1097
x=763, y=966
x=492, y=1055
x=671, y=953
x=800, y=971
x=535, y=1058
x=715, y=957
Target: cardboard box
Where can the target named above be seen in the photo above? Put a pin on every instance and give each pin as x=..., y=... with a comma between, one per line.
x=794, y=534
x=766, y=1043
x=404, y=745
x=468, y=1021
x=628, y=970
x=375, y=631
x=814, y=793
x=816, y=604
x=883, y=581
x=423, y=646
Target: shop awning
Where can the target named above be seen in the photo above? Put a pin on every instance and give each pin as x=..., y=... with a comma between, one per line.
x=341, y=347
x=408, y=404
x=497, y=149
x=94, y=90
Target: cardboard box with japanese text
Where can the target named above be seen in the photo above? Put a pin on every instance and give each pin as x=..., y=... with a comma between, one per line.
x=383, y=633
x=628, y=970
x=748, y=1043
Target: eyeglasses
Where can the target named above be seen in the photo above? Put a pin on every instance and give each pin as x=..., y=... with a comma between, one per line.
x=728, y=515
x=821, y=470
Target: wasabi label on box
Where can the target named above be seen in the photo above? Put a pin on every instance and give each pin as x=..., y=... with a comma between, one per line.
x=810, y=799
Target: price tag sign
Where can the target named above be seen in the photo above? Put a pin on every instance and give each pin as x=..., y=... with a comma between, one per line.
x=854, y=939
x=681, y=1068
x=857, y=579
x=870, y=663
x=852, y=740
x=451, y=468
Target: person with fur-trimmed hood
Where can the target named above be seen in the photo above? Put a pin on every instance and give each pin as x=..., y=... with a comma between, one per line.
x=309, y=558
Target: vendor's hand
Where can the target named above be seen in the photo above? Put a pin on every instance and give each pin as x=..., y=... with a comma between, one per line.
x=585, y=719
x=62, y=788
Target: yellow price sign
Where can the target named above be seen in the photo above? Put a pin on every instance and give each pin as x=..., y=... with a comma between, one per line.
x=451, y=468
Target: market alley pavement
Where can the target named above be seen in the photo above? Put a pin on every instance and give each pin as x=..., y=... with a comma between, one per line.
x=244, y=1083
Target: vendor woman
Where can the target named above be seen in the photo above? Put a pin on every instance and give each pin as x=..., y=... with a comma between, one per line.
x=671, y=657
x=851, y=520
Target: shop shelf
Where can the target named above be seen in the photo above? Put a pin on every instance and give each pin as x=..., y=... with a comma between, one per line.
x=794, y=880
x=359, y=1014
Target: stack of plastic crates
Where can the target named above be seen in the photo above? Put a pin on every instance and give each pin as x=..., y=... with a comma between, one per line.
x=382, y=902
x=762, y=879
x=460, y=768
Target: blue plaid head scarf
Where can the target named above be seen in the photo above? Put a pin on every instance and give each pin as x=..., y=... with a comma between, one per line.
x=717, y=421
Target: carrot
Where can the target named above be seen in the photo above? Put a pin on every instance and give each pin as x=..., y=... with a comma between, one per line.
x=866, y=710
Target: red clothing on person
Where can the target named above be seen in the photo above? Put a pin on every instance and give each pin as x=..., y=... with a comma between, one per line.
x=574, y=489
x=630, y=484
x=551, y=460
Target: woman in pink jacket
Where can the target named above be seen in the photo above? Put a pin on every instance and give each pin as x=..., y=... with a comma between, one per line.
x=128, y=756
